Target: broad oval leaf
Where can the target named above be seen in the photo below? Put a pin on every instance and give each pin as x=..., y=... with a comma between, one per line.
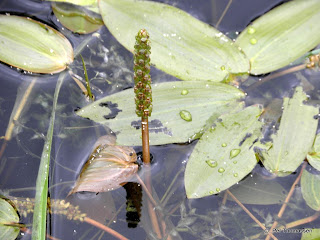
x=257, y=190
x=181, y=110
x=8, y=215
x=311, y=234
x=33, y=46
x=310, y=187
x=294, y=138
x=281, y=36
x=181, y=45
x=314, y=155
x=78, y=2
x=77, y=19
x=107, y=168
x=224, y=154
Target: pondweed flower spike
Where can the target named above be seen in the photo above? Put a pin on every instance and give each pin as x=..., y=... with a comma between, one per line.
x=142, y=87
x=143, y=102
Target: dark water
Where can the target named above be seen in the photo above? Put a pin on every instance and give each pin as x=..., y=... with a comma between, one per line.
x=74, y=137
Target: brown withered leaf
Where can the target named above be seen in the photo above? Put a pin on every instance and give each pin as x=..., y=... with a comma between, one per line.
x=108, y=167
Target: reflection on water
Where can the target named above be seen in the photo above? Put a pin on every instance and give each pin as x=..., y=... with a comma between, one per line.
x=110, y=70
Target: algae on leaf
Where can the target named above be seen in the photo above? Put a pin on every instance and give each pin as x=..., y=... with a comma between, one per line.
x=33, y=46
x=281, y=36
x=224, y=154
x=205, y=101
x=294, y=138
x=310, y=187
x=182, y=45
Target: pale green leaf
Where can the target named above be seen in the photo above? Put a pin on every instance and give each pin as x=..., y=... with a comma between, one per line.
x=314, y=155
x=294, y=138
x=181, y=45
x=8, y=215
x=257, y=190
x=33, y=46
x=311, y=234
x=224, y=154
x=77, y=19
x=282, y=35
x=310, y=187
x=78, y=2
x=205, y=101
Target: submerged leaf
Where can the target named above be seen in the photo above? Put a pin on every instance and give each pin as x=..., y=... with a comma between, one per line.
x=33, y=46
x=256, y=190
x=8, y=215
x=224, y=154
x=77, y=19
x=314, y=155
x=107, y=168
x=294, y=138
x=281, y=36
x=310, y=187
x=200, y=102
x=182, y=45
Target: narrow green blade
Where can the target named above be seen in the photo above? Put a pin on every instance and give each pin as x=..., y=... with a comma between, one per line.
x=294, y=138
x=8, y=215
x=180, y=111
x=181, y=45
x=33, y=46
x=224, y=154
x=282, y=35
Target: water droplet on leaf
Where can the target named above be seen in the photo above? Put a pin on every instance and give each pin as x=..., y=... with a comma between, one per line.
x=223, y=144
x=235, y=174
x=253, y=41
x=186, y=115
x=251, y=30
x=234, y=153
x=212, y=163
x=218, y=189
x=184, y=92
x=221, y=170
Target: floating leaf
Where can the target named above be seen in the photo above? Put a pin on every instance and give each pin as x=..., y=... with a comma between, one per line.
x=224, y=154
x=33, y=46
x=294, y=138
x=310, y=234
x=78, y=2
x=107, y=168
x=8, y=215
x=256, y=190
x=182, y=45
x=281, y=36
x=77, y=19
x=310, y=187
x=204, y=101
x=314, y=155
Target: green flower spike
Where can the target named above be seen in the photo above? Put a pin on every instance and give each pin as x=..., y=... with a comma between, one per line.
x=142, y=77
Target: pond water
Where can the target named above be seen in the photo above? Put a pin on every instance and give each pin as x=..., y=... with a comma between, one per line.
x=110, y=69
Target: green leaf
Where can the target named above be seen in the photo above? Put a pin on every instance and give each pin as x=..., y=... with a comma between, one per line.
x=310, y=187
x=224, y=154
x=314, y=155
x=181, y=45
x=294, y=138
x=256, y=190
x=311, y=234
x=40, y=207
x=281, y=36
x=33, y=46
x=8, y=215
x=205, y=101
x=78, y=2
x=77, y=19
